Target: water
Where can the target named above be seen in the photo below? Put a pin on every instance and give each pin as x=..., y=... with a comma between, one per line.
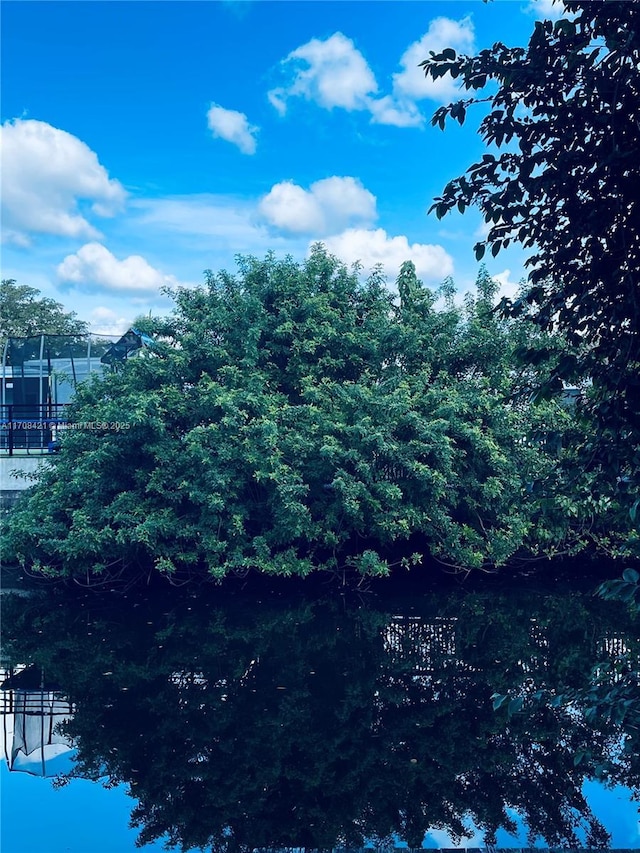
x=315, y=716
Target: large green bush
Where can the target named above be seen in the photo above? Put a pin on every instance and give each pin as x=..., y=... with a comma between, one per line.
x=292, y=417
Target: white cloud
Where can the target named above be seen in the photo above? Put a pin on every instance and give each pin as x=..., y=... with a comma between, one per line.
x=17, y=238
x=233, y=127
x=207, y=231
x=327, y=206
x=372, y=247
x=46, y=172
x=508, y=287
x=411, y=84
x=291, y=208
x=399, y=113
x=105, y=321
x=546, y=10
x=278, y=99
x=94, y=267
x=333, y=73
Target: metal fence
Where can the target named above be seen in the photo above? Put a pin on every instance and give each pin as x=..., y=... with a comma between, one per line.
x=39, y=376
x=31, y=427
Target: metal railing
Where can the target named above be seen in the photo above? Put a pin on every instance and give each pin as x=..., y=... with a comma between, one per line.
x=30, y=427
x=35, y=703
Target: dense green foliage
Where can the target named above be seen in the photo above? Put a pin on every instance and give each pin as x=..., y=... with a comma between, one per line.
x=23, y=314
x=564, y=183
x=261, y=720
x=293, y=418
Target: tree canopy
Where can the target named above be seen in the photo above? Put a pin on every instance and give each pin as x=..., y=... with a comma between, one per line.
x=561, y=178
x=294, y=417
x=24, y=313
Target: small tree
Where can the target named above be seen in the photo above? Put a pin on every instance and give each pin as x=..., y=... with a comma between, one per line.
x=23, y=313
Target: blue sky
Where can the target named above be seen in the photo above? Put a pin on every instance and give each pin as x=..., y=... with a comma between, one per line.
x=144, y=142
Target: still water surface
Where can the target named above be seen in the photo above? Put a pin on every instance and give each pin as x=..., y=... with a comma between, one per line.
x=239, y=717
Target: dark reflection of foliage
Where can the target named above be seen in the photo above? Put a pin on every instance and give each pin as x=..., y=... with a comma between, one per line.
x=241, y=720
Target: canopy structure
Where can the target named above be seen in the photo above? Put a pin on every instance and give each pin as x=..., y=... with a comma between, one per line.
x=32, y=716
x=121, y=350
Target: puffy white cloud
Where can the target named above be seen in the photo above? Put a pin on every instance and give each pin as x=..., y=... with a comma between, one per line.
x=94, y=267
x=399, y=113
x=411, y=84
x=105, y=321
x=46, y=172
x=508, y=287
x=291, y=208
x=372, y=247
x=326, y=207
x=233, y=127
x=333, y=73
x=546, y=10
x=344, y=197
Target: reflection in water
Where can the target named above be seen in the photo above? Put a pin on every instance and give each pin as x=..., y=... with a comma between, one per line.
x=247, y=720
x=33, y=713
